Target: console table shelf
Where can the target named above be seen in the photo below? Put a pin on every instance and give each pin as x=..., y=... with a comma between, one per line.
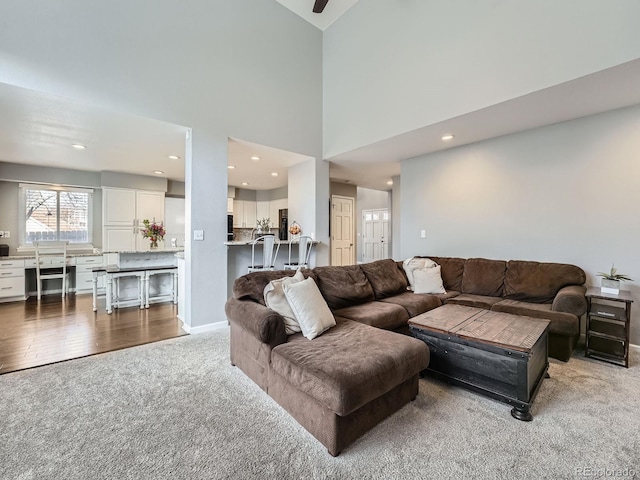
x=608, y=325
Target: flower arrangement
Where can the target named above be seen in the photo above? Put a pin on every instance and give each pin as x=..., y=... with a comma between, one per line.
x=295, y=228
x=153, y=231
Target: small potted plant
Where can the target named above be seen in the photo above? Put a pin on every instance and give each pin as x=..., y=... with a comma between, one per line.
x=264, y=226
x=611, y=281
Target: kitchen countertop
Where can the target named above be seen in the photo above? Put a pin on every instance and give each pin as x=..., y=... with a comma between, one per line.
x=239, y=243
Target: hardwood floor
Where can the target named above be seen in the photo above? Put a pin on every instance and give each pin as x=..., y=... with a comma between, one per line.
x=36, y=333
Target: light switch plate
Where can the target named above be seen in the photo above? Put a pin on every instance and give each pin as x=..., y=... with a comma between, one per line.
x=198, y=234
x=7, y=234
x=423, y=234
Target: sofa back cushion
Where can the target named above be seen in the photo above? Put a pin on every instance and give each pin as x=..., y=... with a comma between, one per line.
x=251, y=286
x=385, y=278
x=539, y=282
x=343, y=286
x=451, y=271
x=484, y=277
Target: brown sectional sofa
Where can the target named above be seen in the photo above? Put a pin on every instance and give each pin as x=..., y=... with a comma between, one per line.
x=354, y=375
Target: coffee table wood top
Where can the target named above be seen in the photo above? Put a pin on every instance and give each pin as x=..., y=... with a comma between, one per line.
x=514, y=332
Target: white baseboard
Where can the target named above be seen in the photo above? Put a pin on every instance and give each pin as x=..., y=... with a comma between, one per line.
x=209, y=327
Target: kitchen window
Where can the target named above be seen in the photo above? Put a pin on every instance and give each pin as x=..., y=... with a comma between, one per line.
x=54, y=213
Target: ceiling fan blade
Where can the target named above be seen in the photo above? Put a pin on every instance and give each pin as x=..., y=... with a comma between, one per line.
x=318, y=7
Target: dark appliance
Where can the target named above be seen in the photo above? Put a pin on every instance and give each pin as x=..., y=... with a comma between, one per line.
x=283, y=231
x=4, y=250
x=229, y=228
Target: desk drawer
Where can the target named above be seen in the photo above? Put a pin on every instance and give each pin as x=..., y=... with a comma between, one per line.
x=46, y=263
x=11, y=272
x=92, y=261
x=11, y=264
x=12, y=287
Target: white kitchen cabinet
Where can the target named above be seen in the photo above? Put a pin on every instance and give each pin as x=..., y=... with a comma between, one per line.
x=123, y=212
x=244, y=213
x=230, y=205
x=262, y=210
x=118, y=206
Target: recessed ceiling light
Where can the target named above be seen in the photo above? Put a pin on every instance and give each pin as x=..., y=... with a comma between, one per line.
x=231, y=167
x=390, y=182
x=274, y=174
x=244, y=184
x=447, y=137
x=158, y=172
x=255, y=157
x=174, y=157
x=78, y=146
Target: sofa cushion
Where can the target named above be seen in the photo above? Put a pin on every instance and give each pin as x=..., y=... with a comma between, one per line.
x=428, y=280
x=539, y=282
x=251, y=286
x=415, y=303
x=377, y=314
x=478, y=301
x=483, y=277
x=309, y=308
x=275, y=299
x=452, y=269
x=343, y=286
x=561, y=323
x=385, y=278
x=415, y=263
x=349, y=365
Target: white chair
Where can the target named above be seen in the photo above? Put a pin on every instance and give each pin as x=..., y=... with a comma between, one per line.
x=51, y=262
x=269, y=253
x=304, y=253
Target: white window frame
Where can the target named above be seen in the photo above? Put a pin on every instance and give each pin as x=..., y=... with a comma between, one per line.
x=22, y=205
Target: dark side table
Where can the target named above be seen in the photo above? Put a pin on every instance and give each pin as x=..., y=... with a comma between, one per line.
x=608, y=325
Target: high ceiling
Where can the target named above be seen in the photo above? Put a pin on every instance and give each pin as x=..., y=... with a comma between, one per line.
x=333, y=10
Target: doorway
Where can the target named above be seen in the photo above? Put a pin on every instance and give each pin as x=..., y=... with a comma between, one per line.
x=342, y=231
x=375, y=234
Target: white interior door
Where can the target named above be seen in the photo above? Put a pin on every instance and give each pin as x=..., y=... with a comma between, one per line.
x=342, y=231
x=375, y=234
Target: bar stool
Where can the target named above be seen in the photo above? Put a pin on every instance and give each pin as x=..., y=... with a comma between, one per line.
x=305, y=244
x=269, y=253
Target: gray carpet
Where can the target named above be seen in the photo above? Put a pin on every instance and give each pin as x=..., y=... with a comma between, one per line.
x=177, y=410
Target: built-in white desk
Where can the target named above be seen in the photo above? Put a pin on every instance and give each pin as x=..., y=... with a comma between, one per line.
x=17, y=274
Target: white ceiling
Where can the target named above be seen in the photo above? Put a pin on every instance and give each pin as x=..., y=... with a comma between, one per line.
x=373, y=165
x=39, y=129
x=333, y=10
x=257, y=173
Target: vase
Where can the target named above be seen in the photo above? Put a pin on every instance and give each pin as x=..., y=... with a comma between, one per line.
x=612, y=287
x=154, y=243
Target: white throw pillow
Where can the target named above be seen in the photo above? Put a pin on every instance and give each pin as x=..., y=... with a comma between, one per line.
x=428, y=280
x=310, y=309
x=275, y=299
x=411, y=264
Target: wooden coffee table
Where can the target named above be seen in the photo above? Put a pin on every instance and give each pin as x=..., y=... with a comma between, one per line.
x=497, y=354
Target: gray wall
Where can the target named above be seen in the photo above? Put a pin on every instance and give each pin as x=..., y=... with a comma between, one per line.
x=15, y=173
x=228, y=68
x=563, y=193
x=393, y=67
